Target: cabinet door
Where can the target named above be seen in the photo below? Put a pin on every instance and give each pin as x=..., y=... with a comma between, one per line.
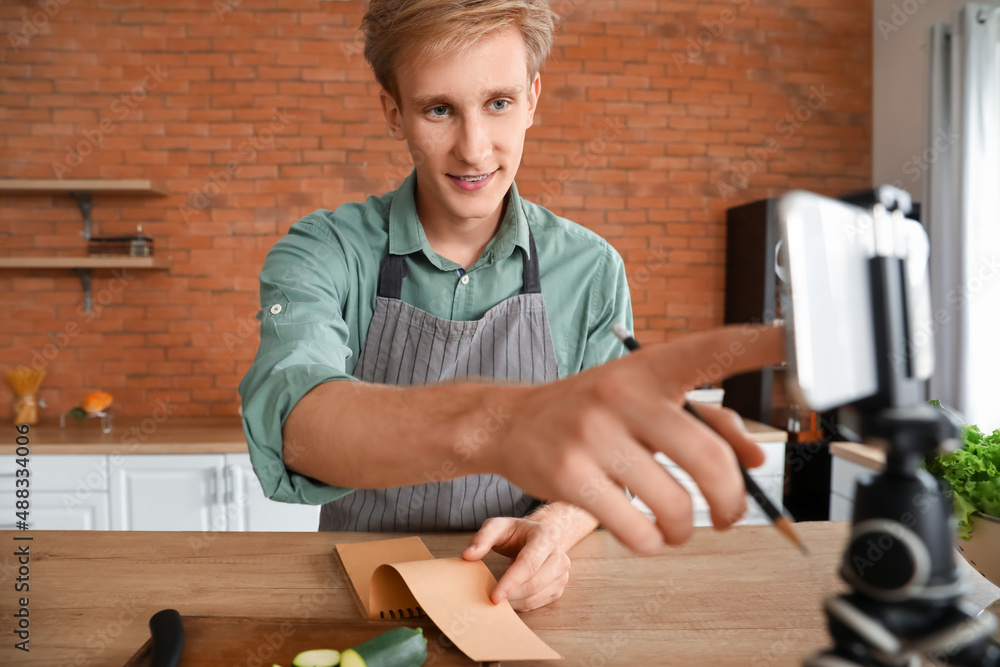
x=65, y=492
x=774, y=488
x=249, y=509
x=769, y=476
x=169, y=492
x=59, y=511
x=841, y=509
x=844, y=476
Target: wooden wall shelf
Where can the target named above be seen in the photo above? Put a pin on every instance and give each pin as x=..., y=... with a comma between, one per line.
x=103, y=186
x=89, y=262
x=83, y=189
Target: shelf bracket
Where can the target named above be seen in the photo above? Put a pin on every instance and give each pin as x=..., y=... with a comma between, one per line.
x=84, y=275
x=84, y=202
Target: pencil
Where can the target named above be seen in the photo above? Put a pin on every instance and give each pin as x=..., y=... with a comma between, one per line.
x=782, y=522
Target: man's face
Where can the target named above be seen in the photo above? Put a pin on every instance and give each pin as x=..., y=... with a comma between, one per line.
x=464, y=119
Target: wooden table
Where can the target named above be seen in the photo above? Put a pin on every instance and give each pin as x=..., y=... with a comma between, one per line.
x=741, y=597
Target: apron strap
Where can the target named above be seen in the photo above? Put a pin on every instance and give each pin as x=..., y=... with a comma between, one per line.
x=393, y=270
x=532, y=284
x=390, y=276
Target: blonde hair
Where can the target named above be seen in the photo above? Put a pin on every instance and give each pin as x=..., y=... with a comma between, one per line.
x=419, y=28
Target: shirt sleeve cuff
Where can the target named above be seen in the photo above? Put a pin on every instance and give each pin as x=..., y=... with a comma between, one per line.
x=263, y=417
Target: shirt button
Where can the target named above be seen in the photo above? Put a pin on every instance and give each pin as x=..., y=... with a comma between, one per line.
x=465, y=279
x=275, y=309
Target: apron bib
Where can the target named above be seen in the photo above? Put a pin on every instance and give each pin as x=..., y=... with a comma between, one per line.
x=408, y=346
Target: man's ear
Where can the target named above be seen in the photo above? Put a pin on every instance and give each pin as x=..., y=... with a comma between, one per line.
x=533, y=92
x=393, y=114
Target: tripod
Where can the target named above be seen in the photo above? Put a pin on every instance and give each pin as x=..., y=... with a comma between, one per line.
x=906, y=588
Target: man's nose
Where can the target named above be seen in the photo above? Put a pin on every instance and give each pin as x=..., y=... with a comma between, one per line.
x=473, y=145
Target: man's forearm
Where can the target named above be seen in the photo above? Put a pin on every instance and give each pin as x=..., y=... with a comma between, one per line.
x=364, y=435
x=571, y=523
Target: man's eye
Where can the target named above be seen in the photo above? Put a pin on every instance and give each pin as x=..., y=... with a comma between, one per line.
x=499, y=105
x=439, y=111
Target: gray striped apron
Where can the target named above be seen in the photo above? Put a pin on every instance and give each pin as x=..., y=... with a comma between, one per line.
x=408, y=346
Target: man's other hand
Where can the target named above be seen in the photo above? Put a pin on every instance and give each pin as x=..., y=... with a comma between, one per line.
x=540, y=569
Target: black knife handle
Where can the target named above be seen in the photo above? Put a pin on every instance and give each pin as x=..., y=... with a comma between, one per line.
x=167, y=631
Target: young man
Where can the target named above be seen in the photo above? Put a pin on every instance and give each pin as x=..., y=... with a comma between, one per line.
x=421, y=353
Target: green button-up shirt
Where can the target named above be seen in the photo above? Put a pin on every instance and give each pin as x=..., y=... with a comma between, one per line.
x=318, y=289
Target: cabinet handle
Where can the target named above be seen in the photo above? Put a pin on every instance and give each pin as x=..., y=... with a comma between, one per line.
x=220, y=486
x=235, y=488
x=239, y=517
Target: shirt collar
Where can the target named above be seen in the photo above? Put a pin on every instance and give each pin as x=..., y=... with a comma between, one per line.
x=406, y=234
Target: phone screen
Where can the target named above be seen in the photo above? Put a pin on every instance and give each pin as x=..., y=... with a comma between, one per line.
x=827, y=300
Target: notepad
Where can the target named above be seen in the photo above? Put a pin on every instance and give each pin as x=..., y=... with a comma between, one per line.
x=400, y=578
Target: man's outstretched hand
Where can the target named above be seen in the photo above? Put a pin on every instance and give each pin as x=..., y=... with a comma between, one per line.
x=583, y=439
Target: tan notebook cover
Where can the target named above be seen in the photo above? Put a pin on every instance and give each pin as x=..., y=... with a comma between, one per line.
x=400, y=578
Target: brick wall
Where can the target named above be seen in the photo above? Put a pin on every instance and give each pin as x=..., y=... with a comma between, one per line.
x=655, y=117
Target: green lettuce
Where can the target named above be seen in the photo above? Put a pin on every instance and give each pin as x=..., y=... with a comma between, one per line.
x=973, y=475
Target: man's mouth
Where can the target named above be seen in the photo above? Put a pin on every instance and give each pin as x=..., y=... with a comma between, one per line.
x=472, y=182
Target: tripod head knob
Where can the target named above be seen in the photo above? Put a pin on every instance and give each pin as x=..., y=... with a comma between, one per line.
x=893, y=198
x=903, y=531
x=910, y=434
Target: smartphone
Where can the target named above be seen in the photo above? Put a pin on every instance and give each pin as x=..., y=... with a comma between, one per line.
x=826, y=247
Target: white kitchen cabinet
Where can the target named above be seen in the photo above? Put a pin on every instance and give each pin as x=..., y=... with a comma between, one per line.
x=199, y=492
x=844, y=477
x=66, y=492
x=58, y=511
x=169, y=492
x=841, y=509
x=189, y=474
x=770, y=476
x=250, y=510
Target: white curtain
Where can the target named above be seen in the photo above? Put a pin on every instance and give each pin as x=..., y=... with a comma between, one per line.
x=963, y=212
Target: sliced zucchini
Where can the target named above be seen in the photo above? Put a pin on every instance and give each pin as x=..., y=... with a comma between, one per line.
x=320, y=657
x=400, y=647
x=350, y=658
